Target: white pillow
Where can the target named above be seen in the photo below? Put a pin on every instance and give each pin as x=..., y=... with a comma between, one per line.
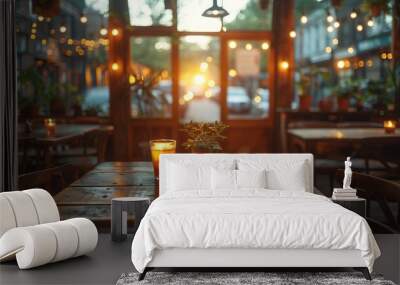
x=183, y=177
x=223, y=179
x=251, y=178
x=281, y=174
x=236, y=179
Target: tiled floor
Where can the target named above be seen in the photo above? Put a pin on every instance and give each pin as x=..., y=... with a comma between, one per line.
x=110, y=260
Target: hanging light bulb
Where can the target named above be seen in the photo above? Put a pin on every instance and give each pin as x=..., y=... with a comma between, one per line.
x=103, y=31
x=329, y=18
x=370, y=23
x=115, y=32
x=63, y=28
x=360, y=28
x=353, y=14
x=336, y=24
x=292, y=34
x=335, y=41
x=330, y=29
x=304, y=19
x=328, y=49
x=83, y=18
x=215, y=11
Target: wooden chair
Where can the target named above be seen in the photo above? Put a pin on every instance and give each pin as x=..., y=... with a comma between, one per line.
x=381, y=191
x=51, y=179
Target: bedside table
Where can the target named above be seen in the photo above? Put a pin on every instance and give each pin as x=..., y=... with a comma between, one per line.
x=357, y=205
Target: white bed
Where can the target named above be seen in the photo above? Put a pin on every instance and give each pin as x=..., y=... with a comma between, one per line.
x=248, y=227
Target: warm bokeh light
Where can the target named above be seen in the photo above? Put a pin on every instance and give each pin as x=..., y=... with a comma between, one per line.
x=335, y=41
x=361, y=63
x=63, y=29
x=284, y=65
x=211, y=83
x=304, y=19
x=330, y=29
x=370, y=23
x=248, y=46
x=83, y=19
x=383, y=55
x=340, y=64
x=389, y=56
x=257, y=99
x=209, y=59
x=199, y=79
x=232, y=44
x=390, y=126
x=292, y=34
x=328, y=49
x=103, y=31
x=115, y=32
x=369, y=63
x=115, y=66
x=353, y=15
x=360, y=28
x=350, y=50
x=232, y=72
x=336, y=24
x=329, y=18
x=265, y=45
x=208, y=94
x=40, y=18
x=132, y=79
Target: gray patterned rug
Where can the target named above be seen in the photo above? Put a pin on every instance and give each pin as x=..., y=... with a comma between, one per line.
x=236, y=278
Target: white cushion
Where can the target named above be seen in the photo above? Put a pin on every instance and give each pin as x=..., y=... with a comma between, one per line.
x=184, y=177
x=251, y=178
x=223, y=179
x=281, y=174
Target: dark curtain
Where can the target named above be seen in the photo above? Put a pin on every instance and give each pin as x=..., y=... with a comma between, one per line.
x=8, y=98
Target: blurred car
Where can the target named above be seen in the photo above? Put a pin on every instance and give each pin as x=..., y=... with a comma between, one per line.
x=238, y=100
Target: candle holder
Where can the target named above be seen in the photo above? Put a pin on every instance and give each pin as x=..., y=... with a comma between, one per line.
x=389, y=126
x=158, y=147
x=50, y=125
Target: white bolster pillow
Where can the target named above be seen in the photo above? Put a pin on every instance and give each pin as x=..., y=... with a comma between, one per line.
x=40, y=244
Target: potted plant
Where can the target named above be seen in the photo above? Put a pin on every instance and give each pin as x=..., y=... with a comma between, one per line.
x=204, y=137
x=375, y=7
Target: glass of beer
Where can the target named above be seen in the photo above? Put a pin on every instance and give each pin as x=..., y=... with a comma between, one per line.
x=159, y=147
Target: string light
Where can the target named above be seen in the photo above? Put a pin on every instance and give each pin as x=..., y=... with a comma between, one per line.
x=329, y=18
x=370, y=23
x=232, y=72
x=83, y=19
x=350, y=50
x=340, y=64
x=265, y=45
x=115, y=32
x=389, y=56
x=336, y=24
x=115, y=66
x=40, y=18
x=292, y=34
x=303, y=19
x=330, y=29
x=328, y=49
x=248, y=46
x=383, y=55
x=103, y=31
x=353, y=14
x=232, y=44
x=335, y=41
x=63, y=28
x=360, y=28
x=284, y=65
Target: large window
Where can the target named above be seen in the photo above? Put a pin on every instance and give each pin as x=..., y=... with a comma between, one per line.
x=248, y=90
x=199, y=85
x=150, y=77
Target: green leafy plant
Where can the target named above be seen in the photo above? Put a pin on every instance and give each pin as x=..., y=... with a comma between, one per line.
x=204, y=137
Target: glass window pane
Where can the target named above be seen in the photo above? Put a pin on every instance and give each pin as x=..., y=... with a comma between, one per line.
x=248, y=90
x=150, y=77
x=150, y=13
x=199, y=85
x=243, y=15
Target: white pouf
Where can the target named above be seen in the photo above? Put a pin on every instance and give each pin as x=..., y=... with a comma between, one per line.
x=31, y=230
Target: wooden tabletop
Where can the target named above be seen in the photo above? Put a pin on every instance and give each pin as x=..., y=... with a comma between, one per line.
x=334, y=134
x=90, y=196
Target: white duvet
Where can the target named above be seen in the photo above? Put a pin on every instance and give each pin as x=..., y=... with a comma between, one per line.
x=250, y=219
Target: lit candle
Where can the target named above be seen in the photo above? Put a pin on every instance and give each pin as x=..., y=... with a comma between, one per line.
x=50, y=125
x=390, y=126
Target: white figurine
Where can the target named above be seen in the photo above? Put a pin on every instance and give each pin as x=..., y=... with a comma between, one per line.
x=347, y=174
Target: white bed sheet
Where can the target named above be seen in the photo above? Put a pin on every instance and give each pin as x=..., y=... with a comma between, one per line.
x=251, y=218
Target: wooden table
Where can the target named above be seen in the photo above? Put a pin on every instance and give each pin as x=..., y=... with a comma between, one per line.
x=90, y=196
x=306, y=139
x=64, y=134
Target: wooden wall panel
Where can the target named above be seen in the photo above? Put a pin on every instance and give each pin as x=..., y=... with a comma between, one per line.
x=248, y=140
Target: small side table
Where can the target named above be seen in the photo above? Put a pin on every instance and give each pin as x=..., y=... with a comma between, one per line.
x=357, y=205
x=120, y=207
